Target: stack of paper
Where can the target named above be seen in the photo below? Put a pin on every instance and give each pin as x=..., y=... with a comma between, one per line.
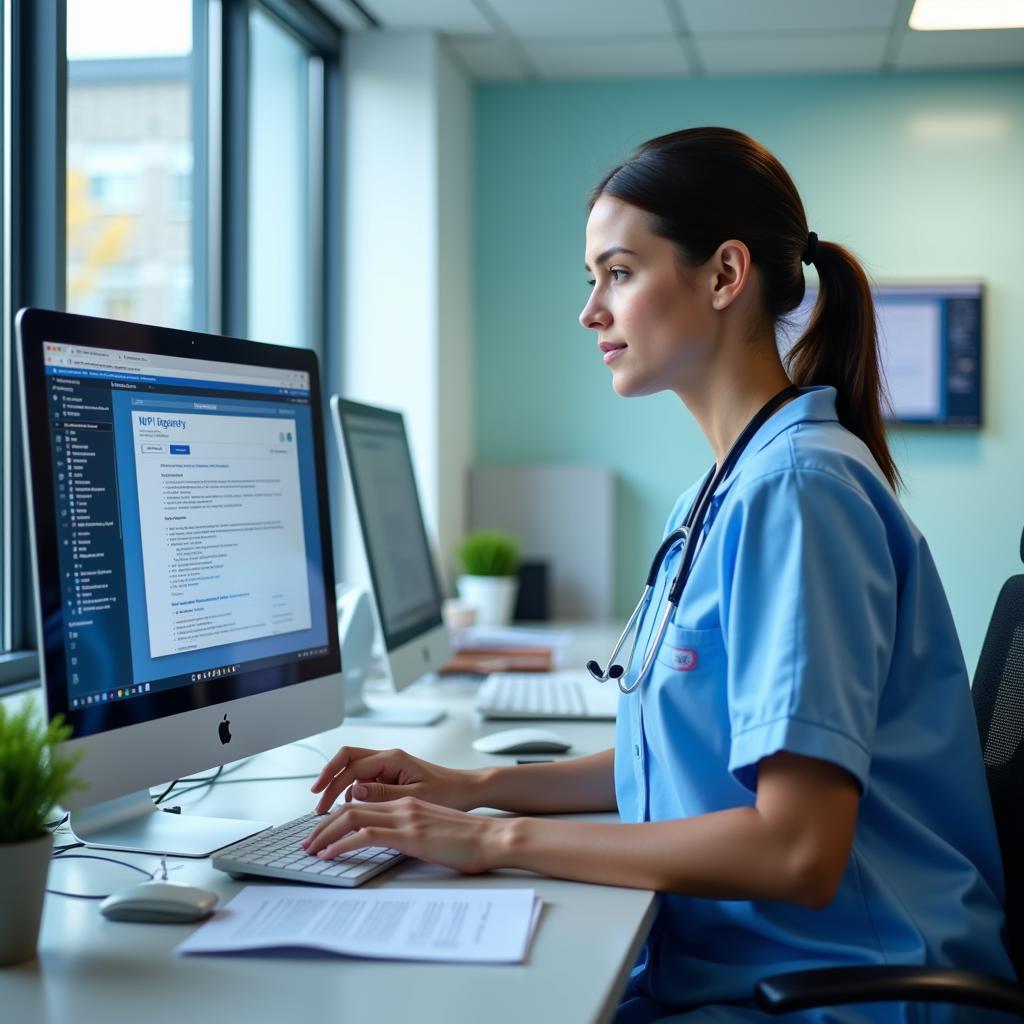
x=471, y=637
x=480, y=650
x=463, y=925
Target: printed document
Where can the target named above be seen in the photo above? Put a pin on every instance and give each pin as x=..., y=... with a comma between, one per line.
x=457, y=925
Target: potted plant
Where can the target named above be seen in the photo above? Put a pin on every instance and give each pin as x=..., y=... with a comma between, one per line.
x=490, y=560
x=33, y=779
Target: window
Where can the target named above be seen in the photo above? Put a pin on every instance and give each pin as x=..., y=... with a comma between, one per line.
x=279, y=159
x=5, y=411
x=166, y=161
x=129, y=159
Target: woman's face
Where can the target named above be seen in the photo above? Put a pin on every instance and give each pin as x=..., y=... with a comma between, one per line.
x=653, y=316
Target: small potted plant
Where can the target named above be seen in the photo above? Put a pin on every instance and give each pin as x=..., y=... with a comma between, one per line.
x=490, y=560
x=33, y=779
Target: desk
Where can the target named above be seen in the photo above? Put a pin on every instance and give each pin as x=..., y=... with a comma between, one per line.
x=105, y=972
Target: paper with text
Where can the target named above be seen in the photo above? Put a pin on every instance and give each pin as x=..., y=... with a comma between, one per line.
x=458, y=925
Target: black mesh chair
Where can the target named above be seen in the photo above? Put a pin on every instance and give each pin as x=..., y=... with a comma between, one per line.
x=999, y=705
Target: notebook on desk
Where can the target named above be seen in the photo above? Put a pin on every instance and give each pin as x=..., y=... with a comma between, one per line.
x=569, y=694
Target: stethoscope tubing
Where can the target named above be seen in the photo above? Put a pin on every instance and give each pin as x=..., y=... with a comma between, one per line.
x=690, y=535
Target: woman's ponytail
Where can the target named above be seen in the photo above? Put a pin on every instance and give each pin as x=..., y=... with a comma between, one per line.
x=840, y=348
x=705, y=185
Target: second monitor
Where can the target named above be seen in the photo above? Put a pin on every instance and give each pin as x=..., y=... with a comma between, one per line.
x=405, y=586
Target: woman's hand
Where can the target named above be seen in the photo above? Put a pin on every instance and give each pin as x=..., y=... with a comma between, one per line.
x=380, y=775
x=470, y=843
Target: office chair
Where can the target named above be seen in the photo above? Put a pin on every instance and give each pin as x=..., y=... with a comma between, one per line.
x=998, y=694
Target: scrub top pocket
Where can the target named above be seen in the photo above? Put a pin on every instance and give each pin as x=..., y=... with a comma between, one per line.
x=687, y=729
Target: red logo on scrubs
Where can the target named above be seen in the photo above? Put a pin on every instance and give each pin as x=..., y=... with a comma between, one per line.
x=682, y=659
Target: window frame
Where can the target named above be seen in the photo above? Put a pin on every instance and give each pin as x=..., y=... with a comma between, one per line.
x=322, y=40
x=33, y=175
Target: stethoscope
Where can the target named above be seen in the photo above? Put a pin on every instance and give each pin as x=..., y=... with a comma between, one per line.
x=692, y=526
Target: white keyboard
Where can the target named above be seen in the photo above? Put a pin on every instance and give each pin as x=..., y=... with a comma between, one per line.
x=569, y=694
x=276, y=853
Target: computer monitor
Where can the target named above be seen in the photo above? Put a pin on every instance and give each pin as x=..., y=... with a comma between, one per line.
x=405, y=587
x=929, y=341
x=182, y=549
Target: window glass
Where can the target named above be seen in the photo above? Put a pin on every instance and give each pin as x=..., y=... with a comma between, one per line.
x=130, y=160
x=279, y=291
x=5, y=400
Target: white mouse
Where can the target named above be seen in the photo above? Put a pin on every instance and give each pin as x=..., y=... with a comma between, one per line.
x=162, y=902
x=522, y=741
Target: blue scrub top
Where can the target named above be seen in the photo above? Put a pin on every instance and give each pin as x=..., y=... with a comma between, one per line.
x=814, y=621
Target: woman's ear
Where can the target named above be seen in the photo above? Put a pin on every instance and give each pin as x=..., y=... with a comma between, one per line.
x=730, y=273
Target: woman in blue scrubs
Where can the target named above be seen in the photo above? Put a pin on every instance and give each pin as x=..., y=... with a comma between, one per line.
x=799, y=774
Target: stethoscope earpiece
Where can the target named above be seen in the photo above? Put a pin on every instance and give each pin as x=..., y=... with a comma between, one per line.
x=615, y=672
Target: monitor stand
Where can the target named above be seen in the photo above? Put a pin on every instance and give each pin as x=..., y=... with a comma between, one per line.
x=357, y=710
x=136, y=824
x=355, y=629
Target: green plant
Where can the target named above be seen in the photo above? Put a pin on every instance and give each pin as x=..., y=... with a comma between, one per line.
x=489, y=553
x=33, y=777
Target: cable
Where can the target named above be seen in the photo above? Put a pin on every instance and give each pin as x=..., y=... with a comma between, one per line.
x=92, y=856
x=208, y=780
x=199, y=782
x=58, y=850
x=235, y=782
x=316, y=750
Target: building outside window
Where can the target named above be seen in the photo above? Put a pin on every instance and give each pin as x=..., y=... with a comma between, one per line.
x=130, y=160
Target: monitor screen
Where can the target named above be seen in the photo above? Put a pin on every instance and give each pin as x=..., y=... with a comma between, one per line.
x=929, y=347
x=401, y=567
x=182, y=538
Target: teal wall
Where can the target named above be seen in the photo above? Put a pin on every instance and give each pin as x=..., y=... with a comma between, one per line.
x=922, y=175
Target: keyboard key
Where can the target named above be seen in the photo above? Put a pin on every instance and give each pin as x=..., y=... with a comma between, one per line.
x=278, y=853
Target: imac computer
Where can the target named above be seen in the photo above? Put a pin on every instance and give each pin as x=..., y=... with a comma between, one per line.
x=182, y=550
x=405, y=587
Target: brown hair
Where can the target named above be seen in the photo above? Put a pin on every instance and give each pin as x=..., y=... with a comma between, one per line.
x=703, y=186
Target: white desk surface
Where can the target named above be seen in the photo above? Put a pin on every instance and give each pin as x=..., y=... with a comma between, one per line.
x=94, y=970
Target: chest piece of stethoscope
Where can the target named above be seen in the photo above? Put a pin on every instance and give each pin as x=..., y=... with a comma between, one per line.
x=615, y=669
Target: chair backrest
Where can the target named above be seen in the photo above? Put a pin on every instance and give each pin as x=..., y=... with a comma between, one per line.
x=998, y=693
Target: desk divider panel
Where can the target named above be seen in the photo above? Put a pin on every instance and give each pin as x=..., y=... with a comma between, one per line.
x=563, y=515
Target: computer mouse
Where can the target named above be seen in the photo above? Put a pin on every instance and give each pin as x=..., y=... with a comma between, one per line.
x=522, y=741
x=159, y=902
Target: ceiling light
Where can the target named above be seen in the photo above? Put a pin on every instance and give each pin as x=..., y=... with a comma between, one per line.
x=946, y=15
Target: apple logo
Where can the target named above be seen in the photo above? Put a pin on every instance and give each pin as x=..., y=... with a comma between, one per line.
x=225, y=730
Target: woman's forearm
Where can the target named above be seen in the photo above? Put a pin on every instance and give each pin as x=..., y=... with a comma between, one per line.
x=578, y=785
x=726, y=855
x=793, y=845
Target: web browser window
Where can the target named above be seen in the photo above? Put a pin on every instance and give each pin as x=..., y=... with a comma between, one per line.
x=187, y=518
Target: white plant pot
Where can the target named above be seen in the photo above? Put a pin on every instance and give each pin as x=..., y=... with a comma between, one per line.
x=493, y=597
x=23, y=871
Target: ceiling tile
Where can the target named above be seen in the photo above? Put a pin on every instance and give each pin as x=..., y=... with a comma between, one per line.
x=786, y=15
x=1003, y=48
x=804, y=53
x=489, y=58
x=344, y=14
x=453, y=16
x=583, y=18
x=602, y=58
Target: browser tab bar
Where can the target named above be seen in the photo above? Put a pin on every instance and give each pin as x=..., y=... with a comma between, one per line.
x=143, y=365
